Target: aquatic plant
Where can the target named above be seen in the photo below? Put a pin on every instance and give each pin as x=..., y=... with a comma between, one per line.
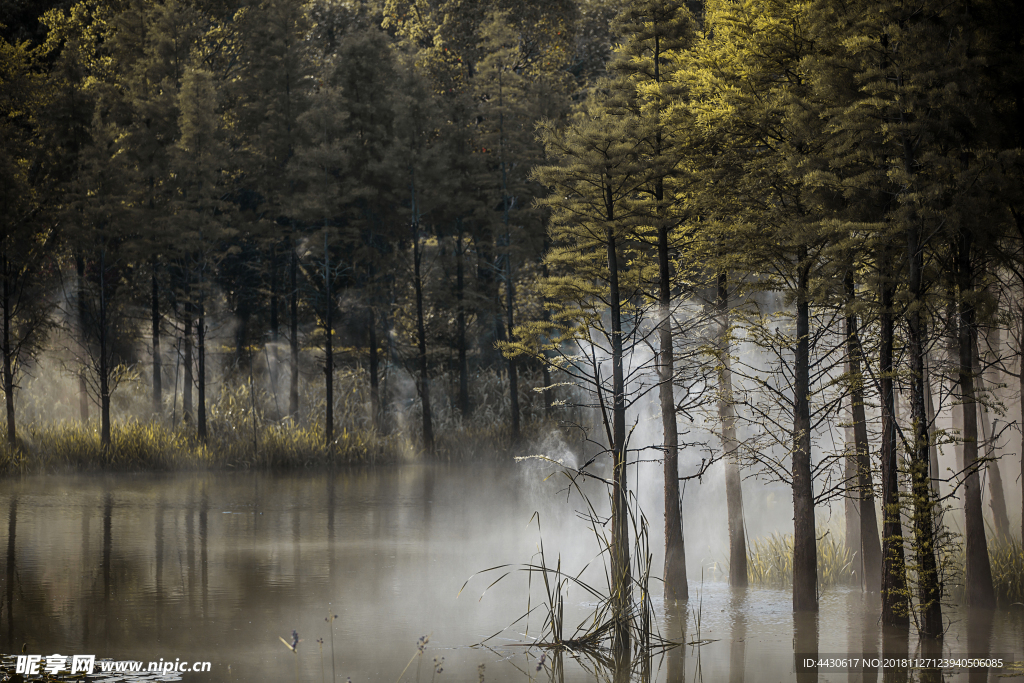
x=592, y=639
x=770, y=560
x=1006, y=556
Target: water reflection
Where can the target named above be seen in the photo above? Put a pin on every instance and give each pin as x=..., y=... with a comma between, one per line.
x=805, y=644
x=217, y=567
x=895, y=646
x=738, y=646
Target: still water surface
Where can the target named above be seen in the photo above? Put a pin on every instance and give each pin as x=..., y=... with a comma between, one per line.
x=219, y=567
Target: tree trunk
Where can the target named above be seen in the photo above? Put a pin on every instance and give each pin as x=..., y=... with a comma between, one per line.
x=275, y=328
x=8, y=351
x=104, y=360
x=157, y=366
x=293, y=380
x=997, y=500
x=421, y=338
x=83, y=338
x=186, y=389
x=620, y=564
x=851, y=503
x=870, y=550
x=929, y=589
x=460, y=288
x=980, y=591
x=201, y=358
x=513, y=377
x=895, y=605
x=374, y=371
x=726, y=415
x=328, y=349
x=805, y=560
x=676, y=585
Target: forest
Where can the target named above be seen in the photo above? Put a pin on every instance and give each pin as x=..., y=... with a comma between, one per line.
x=282, y=234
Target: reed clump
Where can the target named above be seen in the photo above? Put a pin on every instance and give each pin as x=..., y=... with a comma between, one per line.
x=1006, y=557
x=770, y=561
x=151, y=446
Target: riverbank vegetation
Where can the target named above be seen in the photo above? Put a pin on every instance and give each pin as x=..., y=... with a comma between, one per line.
x=285, y=233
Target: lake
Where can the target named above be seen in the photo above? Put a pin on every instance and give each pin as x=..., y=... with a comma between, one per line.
x=219, y=567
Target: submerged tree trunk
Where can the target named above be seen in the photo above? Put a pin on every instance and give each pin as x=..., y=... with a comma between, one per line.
x=726, y=415
x=895, y=604
x=157, y=365
x=676, y=586
x=620, y=564
x=870, y=550
x=805, y=561
x=928, y=587
x=980, y=592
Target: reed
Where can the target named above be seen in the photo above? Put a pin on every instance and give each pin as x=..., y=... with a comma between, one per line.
x=770, y=560
x=1006, y=557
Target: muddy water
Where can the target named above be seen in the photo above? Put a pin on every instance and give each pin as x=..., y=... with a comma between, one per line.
x=220, y=567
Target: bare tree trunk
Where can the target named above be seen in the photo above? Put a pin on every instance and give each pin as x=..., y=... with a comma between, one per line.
x=275, y=328
x=328, y=348
x=726, y=415
x=201, y=389
x=293, y=380
x=83, y=390
x=805, y=560
x=513, y=375
x=8, y=350
x=104, y=360
x=851, y=503
x=984, y=380
x=460, y=288
x=895, y=607
x=870, y=550
x=186, y=396
x=620, y=562
x=157, y=365
x=421, y=338
x=980, y=592
x=929, y=589
x=374, y=370
x=676, y=585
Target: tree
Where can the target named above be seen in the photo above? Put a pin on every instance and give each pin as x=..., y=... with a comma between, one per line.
x=592, y=184
x=651, y=31
x=26, y=242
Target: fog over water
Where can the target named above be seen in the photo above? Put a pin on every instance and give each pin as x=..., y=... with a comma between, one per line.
x=218, y=567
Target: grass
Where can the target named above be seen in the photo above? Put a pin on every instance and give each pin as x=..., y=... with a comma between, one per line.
x=1006, y=557
x=148, y=446
x=244, y=431
x=770, y=561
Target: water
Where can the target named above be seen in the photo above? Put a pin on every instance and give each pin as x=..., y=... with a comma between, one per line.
x=220, y=567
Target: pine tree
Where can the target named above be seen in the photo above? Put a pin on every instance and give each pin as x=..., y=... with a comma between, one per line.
x=651, y=31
